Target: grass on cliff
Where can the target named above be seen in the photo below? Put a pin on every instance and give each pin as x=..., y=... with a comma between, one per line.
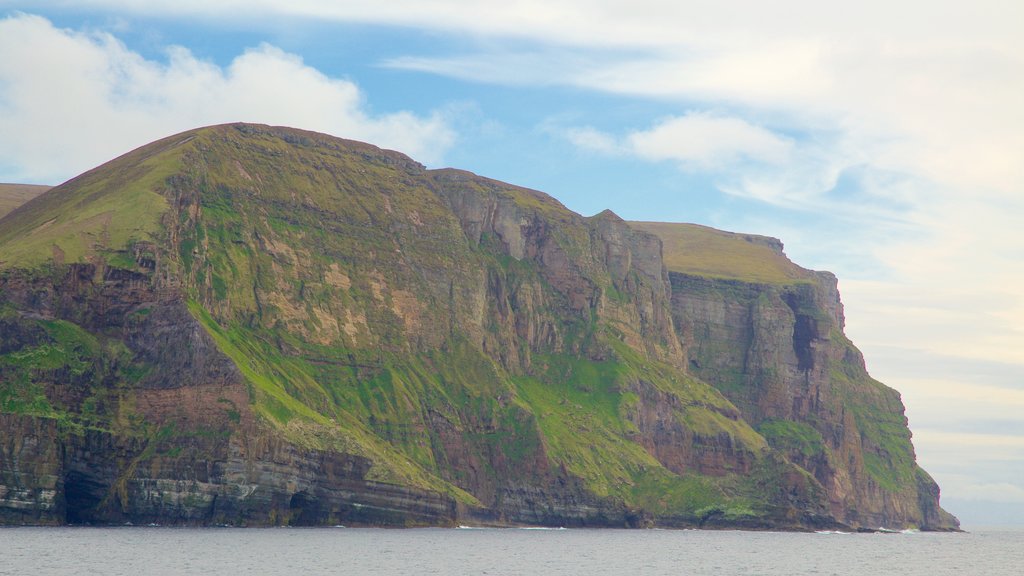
x=389, y=408
x=104, y=209
x=584, y=431
x=889, y=457
x=286, y=396
x=334, y=244
x=702, y=251
x=793, y=437
x=64, y=352
x=59, y=362
x=585, y=408
x=577, y=408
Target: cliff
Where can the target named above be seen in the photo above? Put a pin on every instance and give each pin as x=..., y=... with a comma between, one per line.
x=769, y=335
x=251, y=325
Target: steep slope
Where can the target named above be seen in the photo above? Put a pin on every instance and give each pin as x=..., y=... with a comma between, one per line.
x=769, y=335
x=14, y=195
x=253, y=325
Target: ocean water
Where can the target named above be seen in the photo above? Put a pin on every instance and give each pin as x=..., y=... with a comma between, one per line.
x=300, y=552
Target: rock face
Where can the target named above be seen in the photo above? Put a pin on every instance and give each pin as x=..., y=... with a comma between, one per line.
x=775, y=347
x=250, y=325
x=778, y=353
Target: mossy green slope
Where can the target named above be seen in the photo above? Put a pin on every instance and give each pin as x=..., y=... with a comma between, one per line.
x=104, y=209
x=703, y=251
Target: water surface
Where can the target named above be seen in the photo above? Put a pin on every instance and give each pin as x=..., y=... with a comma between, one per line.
x=297, y=551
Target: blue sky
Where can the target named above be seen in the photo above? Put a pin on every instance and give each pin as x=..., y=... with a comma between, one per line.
x=882, y=141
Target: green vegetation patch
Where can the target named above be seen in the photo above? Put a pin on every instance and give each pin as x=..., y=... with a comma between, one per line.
x=58, y=361
x=286, y=395
x=103, y=210
x=878, y=412
x=63, y=352
x=702, y=251
x=583, y=408
x=792, y=437
x=662, y=492
x=578, y=414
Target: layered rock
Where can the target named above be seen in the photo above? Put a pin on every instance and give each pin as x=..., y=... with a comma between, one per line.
x=776, y=349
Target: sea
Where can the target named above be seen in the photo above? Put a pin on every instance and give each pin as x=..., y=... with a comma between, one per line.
x=478, y=551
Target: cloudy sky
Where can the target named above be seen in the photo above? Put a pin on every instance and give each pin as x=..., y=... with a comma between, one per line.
x=881, y=140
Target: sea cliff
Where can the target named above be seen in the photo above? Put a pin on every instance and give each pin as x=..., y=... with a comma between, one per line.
x=251, y=325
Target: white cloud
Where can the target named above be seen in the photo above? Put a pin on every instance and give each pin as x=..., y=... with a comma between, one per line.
x=81, y=99
x=696, y=140
x=631, y=22
x=953, y=291
x=746, y=160
x=590, y=138
x=707, y=141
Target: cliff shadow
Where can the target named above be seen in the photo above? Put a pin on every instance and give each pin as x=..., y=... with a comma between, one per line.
x=83, y=494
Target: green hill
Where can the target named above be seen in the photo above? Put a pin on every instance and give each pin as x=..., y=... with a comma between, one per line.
x=14, y=195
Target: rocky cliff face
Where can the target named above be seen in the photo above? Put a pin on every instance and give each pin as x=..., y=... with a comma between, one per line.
x=255, y=325
x=776, y=349
x=124, y=410
x=778, y=352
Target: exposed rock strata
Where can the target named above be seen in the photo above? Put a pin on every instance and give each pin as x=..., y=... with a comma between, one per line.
x=779, y=354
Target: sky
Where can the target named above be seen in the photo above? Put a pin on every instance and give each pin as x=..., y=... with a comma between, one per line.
x=880, y=140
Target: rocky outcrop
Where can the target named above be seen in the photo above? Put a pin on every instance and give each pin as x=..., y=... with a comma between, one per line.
x=90, y=477
x=178, y=443
x=577, y=266
x=778, y=352
x=31, y=472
